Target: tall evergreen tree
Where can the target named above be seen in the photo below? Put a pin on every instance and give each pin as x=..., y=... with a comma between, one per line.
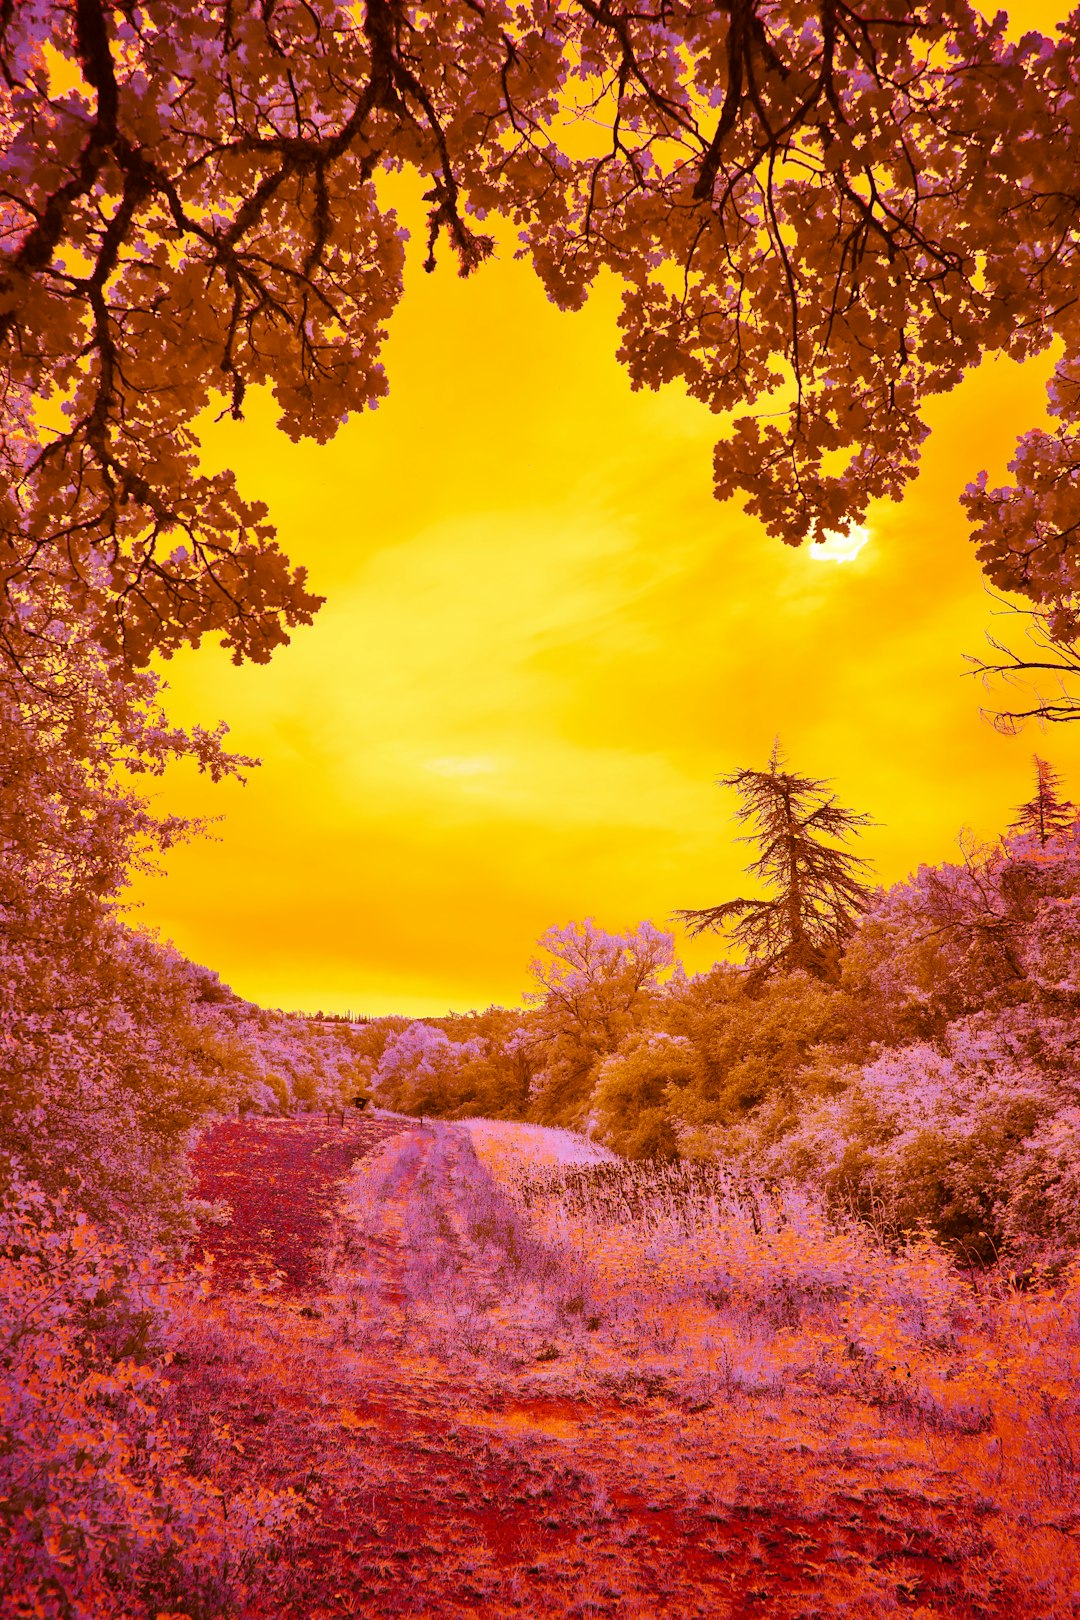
x=1048, y=812
x=819, y=888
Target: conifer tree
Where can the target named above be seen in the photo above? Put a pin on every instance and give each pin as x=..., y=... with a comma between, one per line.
x=818, y=887
x=1047, y=812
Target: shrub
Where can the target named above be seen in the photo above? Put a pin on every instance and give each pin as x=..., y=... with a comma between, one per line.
x=636, y=1094
x=97, y=1514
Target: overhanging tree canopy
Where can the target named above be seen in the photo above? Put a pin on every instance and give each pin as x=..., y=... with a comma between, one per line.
x=822, y=214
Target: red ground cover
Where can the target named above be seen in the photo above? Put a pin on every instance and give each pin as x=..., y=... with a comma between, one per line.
x=280, y=1179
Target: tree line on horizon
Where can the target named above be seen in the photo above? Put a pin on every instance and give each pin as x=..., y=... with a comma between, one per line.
x=910, y=1050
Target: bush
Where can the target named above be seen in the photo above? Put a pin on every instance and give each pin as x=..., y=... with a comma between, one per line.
x=97, y=1514
x=636, y=1094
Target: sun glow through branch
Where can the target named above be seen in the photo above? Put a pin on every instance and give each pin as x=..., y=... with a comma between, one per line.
x=840, y=548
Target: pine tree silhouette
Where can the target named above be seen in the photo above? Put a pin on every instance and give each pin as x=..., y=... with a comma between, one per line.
x=1048, y=812
x=819, y=887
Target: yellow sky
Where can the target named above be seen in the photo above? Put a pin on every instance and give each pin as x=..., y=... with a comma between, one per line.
x=543, y=641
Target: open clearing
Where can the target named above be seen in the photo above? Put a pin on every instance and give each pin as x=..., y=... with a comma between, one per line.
x=501, y=1383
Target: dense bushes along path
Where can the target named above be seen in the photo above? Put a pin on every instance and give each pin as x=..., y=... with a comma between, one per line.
x=469, y=1437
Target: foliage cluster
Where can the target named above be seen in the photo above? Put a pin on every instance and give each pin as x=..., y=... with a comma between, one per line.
x=114, y=1047
x=99, y=1513
x=103, y=1069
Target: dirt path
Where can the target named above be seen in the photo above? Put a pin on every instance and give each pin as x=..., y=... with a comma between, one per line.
x=443, y=1468
x=281, y=1180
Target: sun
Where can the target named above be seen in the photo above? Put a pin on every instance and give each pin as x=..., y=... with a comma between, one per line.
x=840, y=548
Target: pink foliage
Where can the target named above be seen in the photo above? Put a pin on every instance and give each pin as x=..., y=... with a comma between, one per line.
x=98, y=1513
x=594, y=974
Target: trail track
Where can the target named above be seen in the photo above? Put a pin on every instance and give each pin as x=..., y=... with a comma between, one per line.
x=281, y=1181
x=450, y=1462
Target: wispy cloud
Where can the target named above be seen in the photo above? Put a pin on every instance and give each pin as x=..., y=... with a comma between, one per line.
x=459, y=765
